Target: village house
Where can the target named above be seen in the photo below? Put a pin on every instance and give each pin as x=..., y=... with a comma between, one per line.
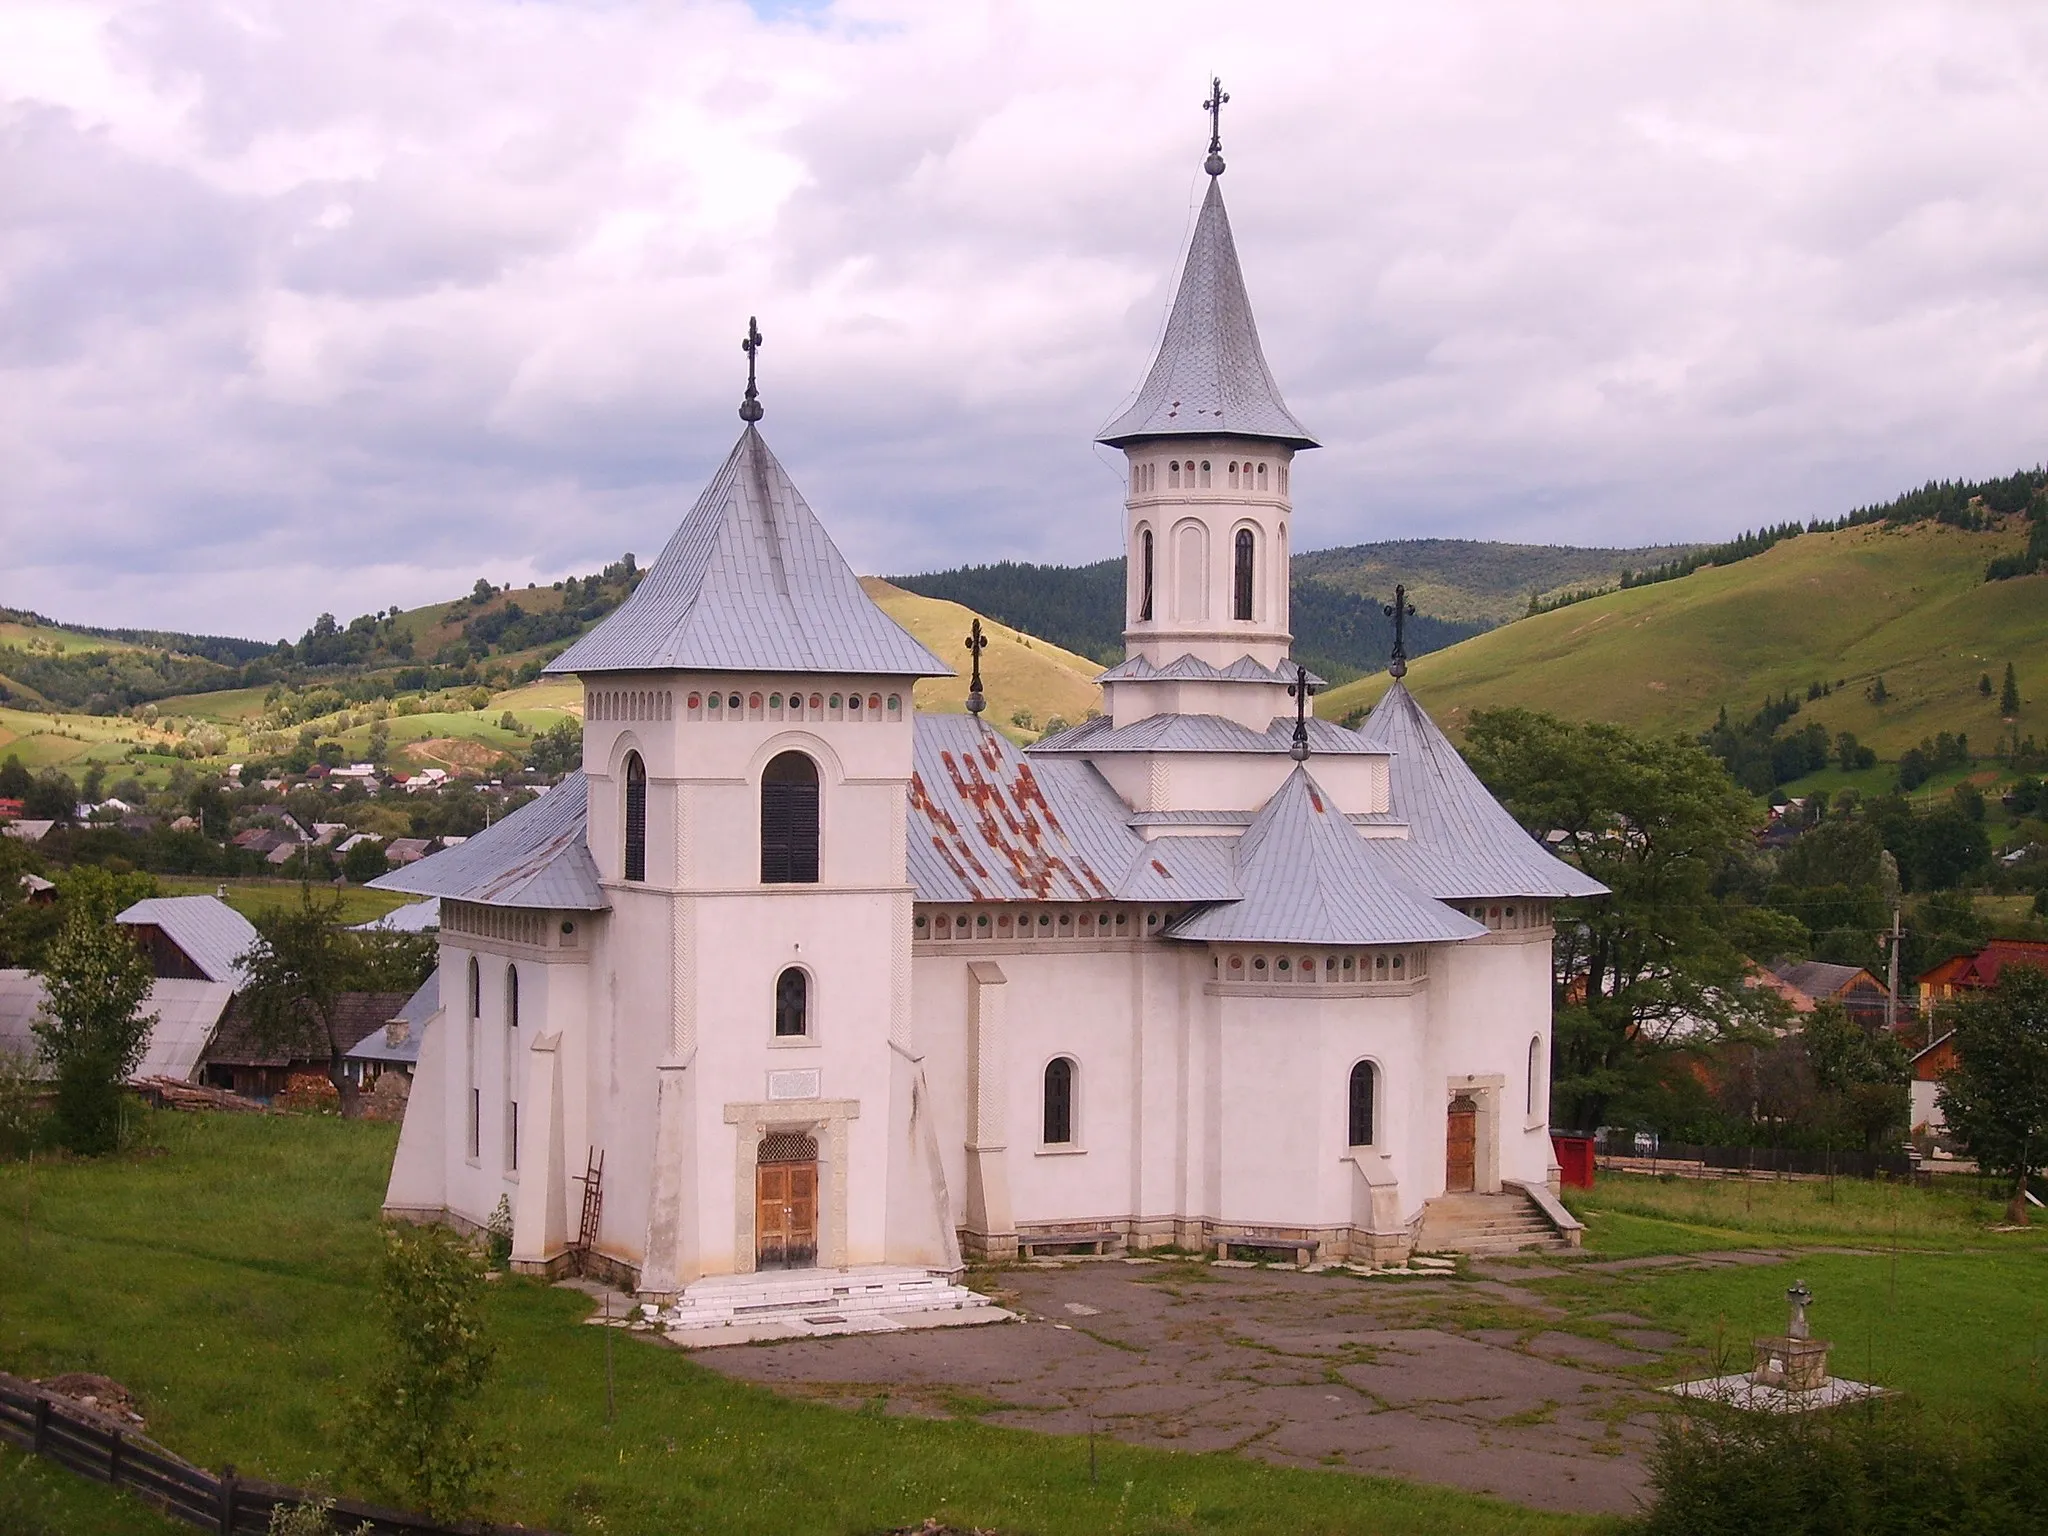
x=828, y=981
x=1866, y=999
x=1956, y=977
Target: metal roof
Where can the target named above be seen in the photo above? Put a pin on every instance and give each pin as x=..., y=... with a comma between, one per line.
x=536, y=857
x=187, y=1013
x=1305, y=876
x=1182, y=869
x=1461, y=841
x=986, y=825
x=1210, y=378
x=1820, y=978
x=1197, y=733
x=418, y=1009
x=414, y=917
x=212, y=934
x=1138, y=669
x=750, y=582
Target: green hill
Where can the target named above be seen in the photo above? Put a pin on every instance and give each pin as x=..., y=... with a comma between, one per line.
x=1473, y=581
x=1908, y=603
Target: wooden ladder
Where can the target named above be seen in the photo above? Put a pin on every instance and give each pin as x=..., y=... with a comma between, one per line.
x=592, y=1179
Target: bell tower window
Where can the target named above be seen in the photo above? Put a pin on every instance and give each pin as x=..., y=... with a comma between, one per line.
x=1241, y=591
x=1145, y=575
x=636, y=817
x=789, y=821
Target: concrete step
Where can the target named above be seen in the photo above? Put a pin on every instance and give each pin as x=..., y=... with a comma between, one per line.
x=1508, y=1222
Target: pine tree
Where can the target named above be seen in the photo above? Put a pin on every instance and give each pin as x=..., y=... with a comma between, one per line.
x=1984, y=684
x=1877, y=693
x=2009, y=696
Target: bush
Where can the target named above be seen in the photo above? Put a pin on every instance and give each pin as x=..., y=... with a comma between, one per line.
x=21, y=1115
x=414, y=1436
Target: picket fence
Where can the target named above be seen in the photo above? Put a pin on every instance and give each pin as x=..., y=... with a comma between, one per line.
x=37, y=1421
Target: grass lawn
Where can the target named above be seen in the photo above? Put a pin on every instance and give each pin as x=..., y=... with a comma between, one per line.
x=253, y=896
x=224, y=1275
x=40, y=1498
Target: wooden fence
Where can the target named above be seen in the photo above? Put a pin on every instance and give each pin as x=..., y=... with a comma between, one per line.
x=87, y=1443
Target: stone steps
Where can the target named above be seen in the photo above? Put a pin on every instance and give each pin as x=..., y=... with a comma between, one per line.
x=1486, y=1224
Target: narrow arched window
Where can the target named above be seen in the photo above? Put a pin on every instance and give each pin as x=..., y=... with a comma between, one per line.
x=512, y=1068
x=1059, y=1101
x=1241, y=592
x=1173, y=475
x=789, y=821
x=636, y=817
x=1233, y=474
x=1205, y=474
x=1364, y=1090
x=1145, y=576
x=792, y=1004
x=474, y=1043
x=476, y=989
x=1535, y=1073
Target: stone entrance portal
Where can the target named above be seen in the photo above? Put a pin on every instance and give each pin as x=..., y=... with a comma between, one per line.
x=1461, y=1146
x=786, y=1202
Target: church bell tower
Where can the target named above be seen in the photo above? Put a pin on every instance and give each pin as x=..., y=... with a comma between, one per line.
x=1210, y=446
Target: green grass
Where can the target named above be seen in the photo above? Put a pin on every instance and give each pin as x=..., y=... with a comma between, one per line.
x=1909, y=603
x=253, y=896
x=40, y=1498
x=227, y=1281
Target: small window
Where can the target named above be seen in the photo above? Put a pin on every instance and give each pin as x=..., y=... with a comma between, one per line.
x=1145, y=577
x=1535, y=1073
x=789, y=821
x=1205, y=474
x=1059, y=1102
x=1241, y=597
x=792, y=1004
x=1173, y=475
x=476, y=989
x=1233, y=474
x=636, y=817
x=1364, y=1090
x=512, y=1068
x=1262, y=477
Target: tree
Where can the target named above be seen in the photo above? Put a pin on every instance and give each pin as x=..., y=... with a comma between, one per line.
x=91, y=1027
x=414, y=1434
x=1984, y=684
x=1996, y=1097
x=1662, y=963
x=1877, y=691
x=365, y=861
x=2009, y=695
x=299, y=966
x=1861, y=1076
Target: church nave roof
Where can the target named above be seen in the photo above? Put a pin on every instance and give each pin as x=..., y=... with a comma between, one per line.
x=536, y=857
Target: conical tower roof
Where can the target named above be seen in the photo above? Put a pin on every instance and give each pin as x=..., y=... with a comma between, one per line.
x=1210, y=378
x=751, y=582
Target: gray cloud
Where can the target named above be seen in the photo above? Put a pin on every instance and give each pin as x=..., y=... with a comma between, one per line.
x=311, y=308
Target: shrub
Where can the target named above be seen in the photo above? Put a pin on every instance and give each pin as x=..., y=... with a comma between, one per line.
x=21, y=1115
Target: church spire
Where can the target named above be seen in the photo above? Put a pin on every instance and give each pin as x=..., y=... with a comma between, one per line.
x=1210, y=378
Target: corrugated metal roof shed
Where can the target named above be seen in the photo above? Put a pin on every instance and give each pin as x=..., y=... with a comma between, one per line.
x=213, y=935
x=1462, y=842
x=536, y=857
x=1307, y=877
x=1210, y=377
x=750, y=582
x=187, y=1014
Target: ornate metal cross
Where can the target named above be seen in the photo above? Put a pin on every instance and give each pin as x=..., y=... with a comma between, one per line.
x=1214, y=107
x=977, y=642
x=1400, y=610
x=750, y=408
x=1298, y=690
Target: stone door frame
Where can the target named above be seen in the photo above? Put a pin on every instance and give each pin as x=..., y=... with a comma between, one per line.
x=1488, y=1089
x=823, y=1119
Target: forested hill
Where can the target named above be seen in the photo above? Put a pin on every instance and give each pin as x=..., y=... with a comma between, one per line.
x=1339, y=634
x=1474, y=580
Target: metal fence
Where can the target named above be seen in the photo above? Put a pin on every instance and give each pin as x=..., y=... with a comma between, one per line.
x=1843, y=1164
x=37, y=1421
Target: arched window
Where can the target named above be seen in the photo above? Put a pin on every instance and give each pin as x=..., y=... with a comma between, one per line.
x=512, y=1068
x=1262, y=477
x=1059, y=1101
x=1535, y=1072
x=1233, y=474
x=1173, y=475
x=789, y=821
x=1145, y=574
x=475, y=1044
x=792, y=1004
x=636, y=817
x=1135, y=477
x=1241, y=590
x=476, y=989
x=1364, y=1091
x=1205, y=474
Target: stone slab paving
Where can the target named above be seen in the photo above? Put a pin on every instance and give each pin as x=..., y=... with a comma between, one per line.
x=1455, y=1381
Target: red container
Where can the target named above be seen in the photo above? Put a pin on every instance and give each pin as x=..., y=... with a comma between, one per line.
x=1574, y=1159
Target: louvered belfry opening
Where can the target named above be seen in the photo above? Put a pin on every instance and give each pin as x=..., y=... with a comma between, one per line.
x=789, y=821
x=636, y=817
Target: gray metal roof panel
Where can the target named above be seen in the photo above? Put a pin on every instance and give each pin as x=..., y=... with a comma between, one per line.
x=986, y=825
x=1181, y=869
x=1198, y=733
x=1138, y=669
x=750, y=582
x=1210, y=377
x=536, y=857
x=187, y=1014
x=1307, y=877
x=213, y=935
x=1461, y=842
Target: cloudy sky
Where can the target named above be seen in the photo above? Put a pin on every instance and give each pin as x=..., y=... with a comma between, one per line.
x=316, y=306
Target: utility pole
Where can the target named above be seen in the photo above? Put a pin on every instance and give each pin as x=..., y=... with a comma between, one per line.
x=1891, y=999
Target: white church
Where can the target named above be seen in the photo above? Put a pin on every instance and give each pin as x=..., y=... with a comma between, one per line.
x=817, y=980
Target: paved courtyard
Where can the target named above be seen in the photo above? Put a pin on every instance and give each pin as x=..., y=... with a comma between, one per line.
x=1442, y=1380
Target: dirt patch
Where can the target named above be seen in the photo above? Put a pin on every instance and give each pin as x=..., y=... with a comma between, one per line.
x=456, y=754
x=1444, y=1381
x=102, y=1394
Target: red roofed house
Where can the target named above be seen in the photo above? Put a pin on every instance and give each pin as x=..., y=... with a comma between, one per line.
x=1973, y=973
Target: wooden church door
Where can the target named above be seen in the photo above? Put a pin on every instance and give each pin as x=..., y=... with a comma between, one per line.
x=786, y=1202
x=1461, y=1143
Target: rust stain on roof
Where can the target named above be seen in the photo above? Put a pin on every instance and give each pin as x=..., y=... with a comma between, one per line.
x=1009, y=827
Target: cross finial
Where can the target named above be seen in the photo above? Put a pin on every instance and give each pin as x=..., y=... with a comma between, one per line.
x=1214, y=107
x=1298, y=690
x=750, y=408
x=977, y=642
x=1400, y=610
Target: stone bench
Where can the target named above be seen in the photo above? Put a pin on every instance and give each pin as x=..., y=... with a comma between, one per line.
x=1303, y=1248
x=1094, y=1242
